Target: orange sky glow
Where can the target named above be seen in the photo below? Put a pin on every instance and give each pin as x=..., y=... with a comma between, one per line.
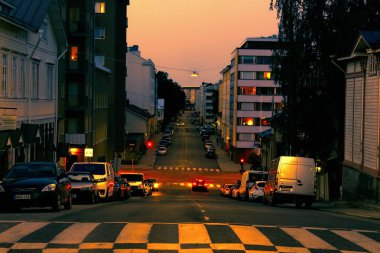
x=181, y=36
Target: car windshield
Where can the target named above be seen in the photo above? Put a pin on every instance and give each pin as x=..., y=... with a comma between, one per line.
x=261, y=184
x=95, y=169
x=151, y=180
x=79, y=177
x=133, y=177
x=32, y=170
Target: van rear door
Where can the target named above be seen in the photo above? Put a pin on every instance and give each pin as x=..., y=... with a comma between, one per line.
x=305, y=179
x=287, y=178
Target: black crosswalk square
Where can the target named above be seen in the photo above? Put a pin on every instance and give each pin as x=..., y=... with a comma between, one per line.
x=163, y=233
x=222, y=234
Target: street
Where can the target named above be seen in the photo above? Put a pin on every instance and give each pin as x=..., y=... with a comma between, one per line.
x=177, y=219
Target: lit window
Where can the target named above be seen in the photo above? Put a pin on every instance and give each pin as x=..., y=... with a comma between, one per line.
x=250, y=122
x=267, y=75
x=100, y=7
x=74, y=53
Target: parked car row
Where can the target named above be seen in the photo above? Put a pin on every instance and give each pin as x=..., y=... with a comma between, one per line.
x=207, y=142
x=47, y=184
x=255, y=192
x=165, y=141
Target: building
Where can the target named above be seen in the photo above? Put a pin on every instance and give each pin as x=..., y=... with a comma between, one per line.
x=207, y=103
x=141, y=84
x=361, y=165
x=254, y=97
x=92, y=94
x=32, y=43
x=224, y=108
x=190, y=96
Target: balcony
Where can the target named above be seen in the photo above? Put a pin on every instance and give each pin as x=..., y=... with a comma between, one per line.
x=77, y=67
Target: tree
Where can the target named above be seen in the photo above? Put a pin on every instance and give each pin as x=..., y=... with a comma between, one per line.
x=173, y=95
x=310, y=32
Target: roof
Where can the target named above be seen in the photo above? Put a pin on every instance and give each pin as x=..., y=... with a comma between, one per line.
x=366, y=40
x=138, y=111
x=26, y=13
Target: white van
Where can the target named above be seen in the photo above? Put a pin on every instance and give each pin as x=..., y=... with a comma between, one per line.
x=103, y=173
x=291, y=180
x=248, y=178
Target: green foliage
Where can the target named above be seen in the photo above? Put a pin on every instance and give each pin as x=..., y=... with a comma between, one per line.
x=172, y=93
x=310, y=32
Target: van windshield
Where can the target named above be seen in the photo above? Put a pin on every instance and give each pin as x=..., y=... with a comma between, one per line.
x=94, y=169
x=253, y=177
x=133, y=177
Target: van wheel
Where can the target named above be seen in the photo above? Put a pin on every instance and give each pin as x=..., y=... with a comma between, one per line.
x=298, y=203
x=308, y=204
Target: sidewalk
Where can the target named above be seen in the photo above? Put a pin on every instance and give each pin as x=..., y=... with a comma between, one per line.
x=223, y=157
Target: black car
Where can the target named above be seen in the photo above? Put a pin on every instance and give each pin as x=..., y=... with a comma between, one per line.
x=122, y=188
x=36, y=184
x=84, y=187
x=210, y=154
x=199, y=184
x=153, y=183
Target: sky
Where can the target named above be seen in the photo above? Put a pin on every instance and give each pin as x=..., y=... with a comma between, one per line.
x=182, y=36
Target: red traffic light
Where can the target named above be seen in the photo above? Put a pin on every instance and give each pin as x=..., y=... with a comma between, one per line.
x=149, y=144
x=241, y=160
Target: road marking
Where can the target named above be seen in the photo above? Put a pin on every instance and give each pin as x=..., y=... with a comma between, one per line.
x=163, y=246
x=251, y=235
x=29, y=246
x=359, y=239
x=96, y=245
x=140, y=233
x=308, y=239
x=227, y=246
x=20, y=230
x=193, y=233
x=75, y=233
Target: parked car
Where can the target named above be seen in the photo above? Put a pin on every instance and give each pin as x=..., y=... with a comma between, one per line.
x=84, y=187
x=122, y=188
x=257, y=191
x=227, y=190
x=235, y=193
x=36, y=184
x=199, y=184
x=162, y=150
x=103, y=172
x=233, y=188
x=136, y=182
x=222, y=189
x=210, y=153
x=153, y=182
x=148, y=188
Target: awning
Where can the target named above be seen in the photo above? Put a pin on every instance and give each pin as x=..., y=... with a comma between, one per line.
x=30, y=133
x=265, y=134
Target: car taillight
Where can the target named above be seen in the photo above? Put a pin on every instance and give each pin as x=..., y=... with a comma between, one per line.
x=256, y=188
x=194, y=183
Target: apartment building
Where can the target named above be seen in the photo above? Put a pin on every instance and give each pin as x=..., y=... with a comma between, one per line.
x=91, y=93
x=207, y=103
x=253, y=98
x=32, y=43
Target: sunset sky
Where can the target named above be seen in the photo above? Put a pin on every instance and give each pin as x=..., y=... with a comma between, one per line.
x=181, y=36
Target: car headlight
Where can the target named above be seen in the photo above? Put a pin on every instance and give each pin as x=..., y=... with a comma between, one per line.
x=2, y=188
x=155, y=185
x=49, y=187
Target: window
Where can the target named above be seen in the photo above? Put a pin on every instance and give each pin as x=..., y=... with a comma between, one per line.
x=22, y=81
x=73, y=93
x=44, y=28
x=373, y=64
x=99, y=59
x=247, y=75
x=74, y=17
x=74, y=53
x=3, y=90
x=100, y=33
x=247, y=91
x=246, y=137
x=49, y=81
x=35, y=78
x=100, y=7
x=12, y=88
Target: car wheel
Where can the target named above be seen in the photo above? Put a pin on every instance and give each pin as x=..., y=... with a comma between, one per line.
x=57, y=205
x=92, y=199
x=69, y=203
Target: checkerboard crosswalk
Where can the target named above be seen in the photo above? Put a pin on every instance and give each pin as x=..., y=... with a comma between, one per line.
x=179, y=237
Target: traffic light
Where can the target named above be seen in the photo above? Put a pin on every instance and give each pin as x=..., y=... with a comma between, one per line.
x=241, y=161
x=149, y=144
